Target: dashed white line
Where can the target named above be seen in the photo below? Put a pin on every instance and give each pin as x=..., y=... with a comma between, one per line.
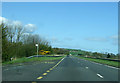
x=100, y=75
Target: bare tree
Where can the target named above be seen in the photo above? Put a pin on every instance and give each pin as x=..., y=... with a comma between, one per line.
x=19, y=32
x=11, y=32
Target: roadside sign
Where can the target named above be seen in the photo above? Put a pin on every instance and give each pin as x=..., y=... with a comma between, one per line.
x=36, y=44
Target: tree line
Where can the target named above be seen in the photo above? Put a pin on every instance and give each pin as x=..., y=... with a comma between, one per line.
x=93, y=54
x=16, y=44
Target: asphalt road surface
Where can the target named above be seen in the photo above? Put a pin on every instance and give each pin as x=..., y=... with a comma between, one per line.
x=67, y=69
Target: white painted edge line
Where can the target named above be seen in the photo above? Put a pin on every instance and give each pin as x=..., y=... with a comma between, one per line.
x=106, y=65
x=100, y=76
x=111, y=67
x=102, y=64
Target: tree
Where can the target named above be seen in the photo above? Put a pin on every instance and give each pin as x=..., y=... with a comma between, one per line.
x=5, y=43
x=108, y=55
x=19, y=31
x=11, y=32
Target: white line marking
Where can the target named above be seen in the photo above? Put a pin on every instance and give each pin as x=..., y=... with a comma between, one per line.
x=100, y=75
x=86, y=67
x=104, y=65
x=5, y=70
x=111, y=67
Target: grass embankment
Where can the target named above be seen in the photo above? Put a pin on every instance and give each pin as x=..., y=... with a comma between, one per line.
x=106, y=62
x=24, y=59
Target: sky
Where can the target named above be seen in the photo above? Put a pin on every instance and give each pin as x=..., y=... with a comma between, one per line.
x=90, y=26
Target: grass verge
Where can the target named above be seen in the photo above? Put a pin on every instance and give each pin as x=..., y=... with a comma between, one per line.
x=24, y=59
x=106, y=62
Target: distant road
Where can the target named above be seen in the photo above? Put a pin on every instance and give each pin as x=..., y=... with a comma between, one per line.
x=68, y=69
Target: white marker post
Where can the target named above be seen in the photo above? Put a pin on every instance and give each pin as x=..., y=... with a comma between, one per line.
x=37, y=49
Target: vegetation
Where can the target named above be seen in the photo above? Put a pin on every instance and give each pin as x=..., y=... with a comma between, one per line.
x=24, y=59
x=93, y=54
x=60, y=51
x=15, y=44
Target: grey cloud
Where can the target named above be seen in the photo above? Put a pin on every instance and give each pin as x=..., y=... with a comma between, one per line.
x=97, y=39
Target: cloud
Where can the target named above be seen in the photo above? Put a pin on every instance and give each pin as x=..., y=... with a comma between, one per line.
x=53, y=39
x=114, y=39
x=3, y=20
x=29, y=28
x=16, y=23
x=10, y=23
x=97, y=39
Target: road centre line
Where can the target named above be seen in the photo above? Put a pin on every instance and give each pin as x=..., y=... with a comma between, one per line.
x=51, y=69
x=44, y=73
x=47, y=71
x=39, y=77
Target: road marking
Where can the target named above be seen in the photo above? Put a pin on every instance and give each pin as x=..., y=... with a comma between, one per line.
x=47, y=71
x=5, y=69
x=111, y=67
x=50, y=69
x=105, y=65
x=86, y=67
x=100, y=75
x=102, y=64
x=34, y=82
x=54, y=66
x=40, y=77
x=57, y=64
x=44, y=73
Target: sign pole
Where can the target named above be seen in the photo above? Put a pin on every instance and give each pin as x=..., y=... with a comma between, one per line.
x=37, y=49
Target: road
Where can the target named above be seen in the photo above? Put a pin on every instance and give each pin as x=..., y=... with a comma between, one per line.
x=68, y=69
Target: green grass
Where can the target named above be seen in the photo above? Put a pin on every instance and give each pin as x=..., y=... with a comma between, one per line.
x=24, y=59
x=111, y=63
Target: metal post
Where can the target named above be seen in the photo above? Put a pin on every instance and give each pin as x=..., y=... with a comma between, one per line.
x=37, y=49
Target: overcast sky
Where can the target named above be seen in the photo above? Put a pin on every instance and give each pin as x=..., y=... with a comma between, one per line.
x=87, y=26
